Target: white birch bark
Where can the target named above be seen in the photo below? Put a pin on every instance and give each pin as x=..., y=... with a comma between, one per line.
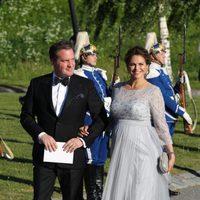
x=164, y=38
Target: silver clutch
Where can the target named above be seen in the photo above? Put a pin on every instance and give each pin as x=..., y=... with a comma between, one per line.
x=163, y=163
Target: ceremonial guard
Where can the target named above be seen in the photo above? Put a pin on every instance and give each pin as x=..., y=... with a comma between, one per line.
x=97, y=153
x=158, y=76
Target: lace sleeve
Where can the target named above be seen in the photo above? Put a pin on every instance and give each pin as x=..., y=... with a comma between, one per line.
x=158, y=116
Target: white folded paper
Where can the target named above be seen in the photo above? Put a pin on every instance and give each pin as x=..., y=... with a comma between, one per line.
x=58, y=156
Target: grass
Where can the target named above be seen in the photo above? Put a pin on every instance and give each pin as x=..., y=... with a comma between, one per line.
x=22, y=73
x=16, y=175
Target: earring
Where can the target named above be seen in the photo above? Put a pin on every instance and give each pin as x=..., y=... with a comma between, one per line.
x=147, y=73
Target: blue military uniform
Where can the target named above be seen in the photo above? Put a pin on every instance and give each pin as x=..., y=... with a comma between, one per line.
x=97, y=153
x=160, y=78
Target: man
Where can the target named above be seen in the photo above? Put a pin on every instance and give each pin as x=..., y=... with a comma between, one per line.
x=53, y=111
x=158, y=76
x=96, y=155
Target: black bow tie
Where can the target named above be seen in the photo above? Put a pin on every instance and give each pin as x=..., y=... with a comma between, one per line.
x=64, y=81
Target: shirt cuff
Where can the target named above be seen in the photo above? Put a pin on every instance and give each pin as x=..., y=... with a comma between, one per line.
x=39, y=137
x=84, y=145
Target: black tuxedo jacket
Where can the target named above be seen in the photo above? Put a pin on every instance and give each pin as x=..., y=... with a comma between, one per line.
x=38, y=115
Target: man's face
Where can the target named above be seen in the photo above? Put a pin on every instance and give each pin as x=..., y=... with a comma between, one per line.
x=160, y=57
x=91, y=59
x=65, y=63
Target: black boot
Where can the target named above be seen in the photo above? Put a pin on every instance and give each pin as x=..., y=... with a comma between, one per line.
x=99, y=181
x=94, y=182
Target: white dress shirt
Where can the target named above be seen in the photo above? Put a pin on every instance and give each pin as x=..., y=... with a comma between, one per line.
x=59, y=93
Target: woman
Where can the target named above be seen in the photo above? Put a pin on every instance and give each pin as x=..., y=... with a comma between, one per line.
x=139, y=133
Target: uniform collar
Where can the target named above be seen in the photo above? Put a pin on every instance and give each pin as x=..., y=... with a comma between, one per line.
x=155, y=66
x=88, y=68
x=158, y=67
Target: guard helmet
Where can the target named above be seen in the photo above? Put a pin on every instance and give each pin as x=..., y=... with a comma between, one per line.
x=88, y=50
x=156, y=48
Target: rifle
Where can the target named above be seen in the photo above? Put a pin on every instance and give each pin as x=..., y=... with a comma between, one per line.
x=187, y=127
x=116, y=59
x=79, y=38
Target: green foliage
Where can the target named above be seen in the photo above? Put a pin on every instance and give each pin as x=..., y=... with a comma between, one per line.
x=184, y=10
x=23, y=73
x=139, y=17
x=29, y=27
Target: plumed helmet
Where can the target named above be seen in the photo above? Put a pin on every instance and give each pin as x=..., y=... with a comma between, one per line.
x=156, y=48
x=88, y=50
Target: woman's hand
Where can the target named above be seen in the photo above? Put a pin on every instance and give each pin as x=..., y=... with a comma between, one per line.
x=83, y=131
x=171, y=161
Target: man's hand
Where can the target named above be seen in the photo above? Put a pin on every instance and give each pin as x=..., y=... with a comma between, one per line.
x=187, y=117
x=72, y=145
x=49, y=142
x=83, y=131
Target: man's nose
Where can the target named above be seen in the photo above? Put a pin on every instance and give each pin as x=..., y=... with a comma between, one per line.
x=70, y=63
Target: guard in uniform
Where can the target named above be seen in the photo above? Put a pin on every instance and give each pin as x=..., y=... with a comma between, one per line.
x=97, y=153
x=158, y=76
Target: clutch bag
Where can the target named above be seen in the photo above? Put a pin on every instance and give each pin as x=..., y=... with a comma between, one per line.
x=163, y=163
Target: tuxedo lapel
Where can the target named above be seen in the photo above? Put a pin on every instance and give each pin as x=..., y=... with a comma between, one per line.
x=48, y=91
x=72, y=93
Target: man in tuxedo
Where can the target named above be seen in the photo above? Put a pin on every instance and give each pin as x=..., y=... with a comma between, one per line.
x=53, y=111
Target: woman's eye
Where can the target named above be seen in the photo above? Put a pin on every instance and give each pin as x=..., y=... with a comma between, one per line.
x=132, y=65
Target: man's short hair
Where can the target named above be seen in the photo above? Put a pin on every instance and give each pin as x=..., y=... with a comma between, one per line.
x=59, y=46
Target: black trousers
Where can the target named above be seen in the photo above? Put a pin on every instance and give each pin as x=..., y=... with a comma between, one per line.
x=70, y=182
x=93, y=177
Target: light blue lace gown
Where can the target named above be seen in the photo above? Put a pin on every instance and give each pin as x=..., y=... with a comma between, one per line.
x=136, y=145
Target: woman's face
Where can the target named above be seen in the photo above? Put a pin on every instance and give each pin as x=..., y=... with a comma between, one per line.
x=137, y=67
x=160, y=57
x=91, y=59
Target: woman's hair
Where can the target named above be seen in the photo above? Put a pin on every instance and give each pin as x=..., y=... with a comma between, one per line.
x=139, y=51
